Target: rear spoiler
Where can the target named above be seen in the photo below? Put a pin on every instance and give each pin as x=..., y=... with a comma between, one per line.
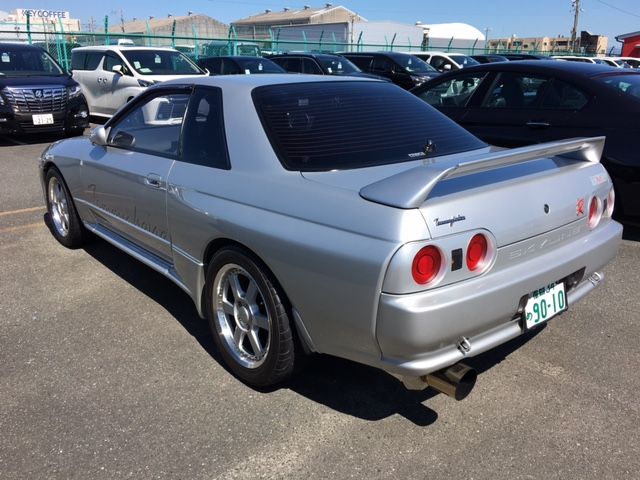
x=410, y=189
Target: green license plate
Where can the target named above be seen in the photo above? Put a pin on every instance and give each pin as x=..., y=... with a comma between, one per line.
x=544, y=304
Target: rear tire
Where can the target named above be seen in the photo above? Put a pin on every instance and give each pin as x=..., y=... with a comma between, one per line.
x=248, y=319
x=63, y=219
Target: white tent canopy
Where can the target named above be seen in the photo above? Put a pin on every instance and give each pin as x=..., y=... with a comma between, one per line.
x=459, y=31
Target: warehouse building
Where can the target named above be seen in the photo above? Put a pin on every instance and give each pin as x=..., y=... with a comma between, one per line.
x=262, y=25
x=588, y=44
x=630, y=44
x=189, y=26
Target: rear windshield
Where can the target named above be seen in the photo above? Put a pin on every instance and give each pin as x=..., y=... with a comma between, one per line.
x=627, y=84
x=344, y=125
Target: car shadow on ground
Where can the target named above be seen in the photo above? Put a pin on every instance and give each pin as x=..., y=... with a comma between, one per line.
x=631, y=232
x=345, y=386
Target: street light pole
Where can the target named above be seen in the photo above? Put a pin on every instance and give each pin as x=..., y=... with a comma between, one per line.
x=574, y=31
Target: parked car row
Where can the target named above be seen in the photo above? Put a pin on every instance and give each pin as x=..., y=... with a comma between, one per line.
x=507, y=104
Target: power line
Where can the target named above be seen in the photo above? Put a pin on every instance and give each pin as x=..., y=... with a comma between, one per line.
x=619, y=9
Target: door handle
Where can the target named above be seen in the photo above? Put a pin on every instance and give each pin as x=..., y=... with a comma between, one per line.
x=153, y=180
x=538, y=124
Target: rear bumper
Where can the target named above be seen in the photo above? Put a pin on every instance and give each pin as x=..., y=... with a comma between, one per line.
x=420, y=333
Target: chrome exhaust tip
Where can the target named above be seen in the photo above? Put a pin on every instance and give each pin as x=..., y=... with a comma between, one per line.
x=455, y=381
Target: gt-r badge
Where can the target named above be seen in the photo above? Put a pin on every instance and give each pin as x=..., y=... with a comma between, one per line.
x=580, y=207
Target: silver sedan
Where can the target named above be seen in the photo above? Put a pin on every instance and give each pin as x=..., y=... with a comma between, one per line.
x=341, y=216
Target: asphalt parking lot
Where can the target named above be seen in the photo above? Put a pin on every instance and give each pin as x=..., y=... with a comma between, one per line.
x=106, y=371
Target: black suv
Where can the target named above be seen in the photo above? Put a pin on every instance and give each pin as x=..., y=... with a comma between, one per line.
x=238, y=65
x=319, y=64
x=36, y=95
x=403, y=69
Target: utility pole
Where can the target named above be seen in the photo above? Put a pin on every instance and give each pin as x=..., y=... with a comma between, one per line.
x=575, y=5
x=486, y=39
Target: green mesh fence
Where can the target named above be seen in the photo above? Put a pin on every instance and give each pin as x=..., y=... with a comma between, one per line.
x=59, y=43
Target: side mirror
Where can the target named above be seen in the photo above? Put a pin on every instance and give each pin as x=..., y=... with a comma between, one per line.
x=446, y=67
x=123, y=139
x=118, y=69
x=98, y=136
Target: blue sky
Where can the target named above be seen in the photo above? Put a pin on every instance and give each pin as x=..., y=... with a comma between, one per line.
x=523, y=18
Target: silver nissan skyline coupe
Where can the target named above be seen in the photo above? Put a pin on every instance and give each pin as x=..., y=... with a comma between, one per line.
x=342, y=216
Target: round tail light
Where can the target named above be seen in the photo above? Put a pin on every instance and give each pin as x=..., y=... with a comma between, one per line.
x=477, y=252
x=595, y=212
x=427, y=265
x=611, y=201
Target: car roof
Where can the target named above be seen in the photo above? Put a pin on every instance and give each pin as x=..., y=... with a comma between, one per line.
x=19, y=46
x=249, y=82
x=304, y=54
x=122, y=48
x=543, y=66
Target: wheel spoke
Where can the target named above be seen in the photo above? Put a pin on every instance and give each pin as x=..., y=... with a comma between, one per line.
x=238, y=337
x=227, y=307
x=258, y=351
x=252, y=292
x=261, y=321
x=234, y=281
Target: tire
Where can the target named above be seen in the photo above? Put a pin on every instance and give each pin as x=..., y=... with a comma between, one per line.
x=62, y=218
x=74, y=132
x=248, y=319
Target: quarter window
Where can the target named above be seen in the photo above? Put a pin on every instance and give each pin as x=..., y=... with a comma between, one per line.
x=203, y=141
x=562, y=96
x=153, y=126
x=452, y=93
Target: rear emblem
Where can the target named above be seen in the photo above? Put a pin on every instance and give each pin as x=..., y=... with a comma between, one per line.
x=580, y=207
x=450, y=221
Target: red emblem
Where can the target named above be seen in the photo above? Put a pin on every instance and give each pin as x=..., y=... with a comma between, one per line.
x=580, y=207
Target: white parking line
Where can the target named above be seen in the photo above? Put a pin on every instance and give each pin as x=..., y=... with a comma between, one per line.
x=19, y=228
x=22, y=210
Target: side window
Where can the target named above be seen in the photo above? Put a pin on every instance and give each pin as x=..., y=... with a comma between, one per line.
x=214, y=65
x=293, y=64
x=363, y=63
x=310, y=66
x=78, y=60
x=455, y=92
x=382, y=64
x=93, y=60
x=437, y=62
x=229, y=67
x=513, y=90
x=153, y=126
x=110, y=61
x=203, y=141
x=562, y=96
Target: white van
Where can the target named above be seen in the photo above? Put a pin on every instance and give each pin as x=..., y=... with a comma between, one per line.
x=111, y=75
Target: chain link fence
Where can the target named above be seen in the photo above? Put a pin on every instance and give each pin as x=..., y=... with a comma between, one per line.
x=59, y=43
